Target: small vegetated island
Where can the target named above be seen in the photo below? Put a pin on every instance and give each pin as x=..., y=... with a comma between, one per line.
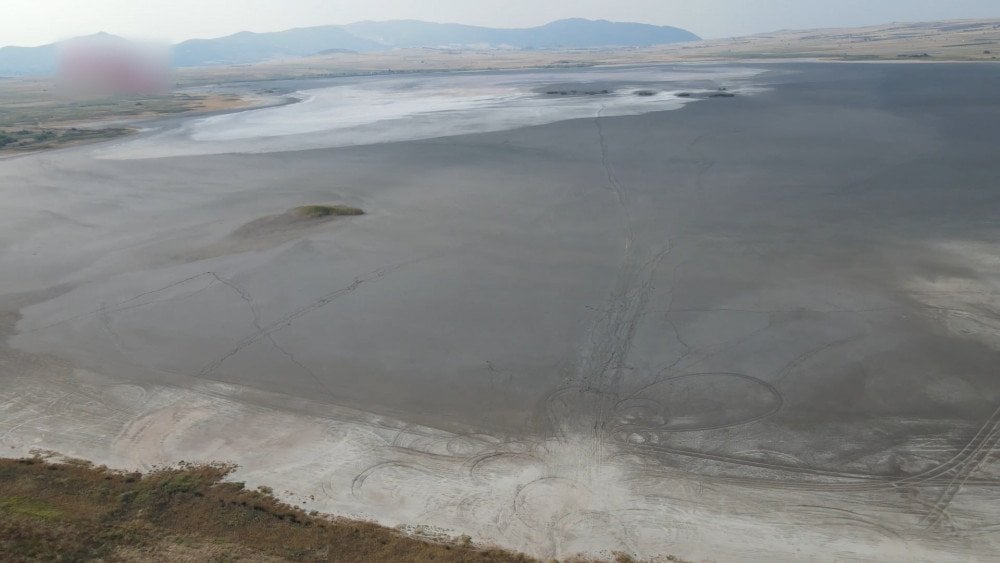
x=295, y=219
x=323, y=211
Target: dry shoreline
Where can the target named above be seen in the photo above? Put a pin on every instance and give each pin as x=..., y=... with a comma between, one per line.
x=759, y=364
x=34, y=120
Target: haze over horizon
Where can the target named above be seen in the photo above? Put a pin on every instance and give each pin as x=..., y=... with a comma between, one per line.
x=34, y=22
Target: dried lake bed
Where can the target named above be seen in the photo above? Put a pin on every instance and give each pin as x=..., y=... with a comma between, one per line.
x=573, y=319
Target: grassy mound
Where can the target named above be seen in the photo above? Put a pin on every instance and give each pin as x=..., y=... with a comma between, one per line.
x=74, y=511
x=319, y=211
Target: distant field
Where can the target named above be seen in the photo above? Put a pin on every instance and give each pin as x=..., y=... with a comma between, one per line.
x=946, y=41
x=34, y=116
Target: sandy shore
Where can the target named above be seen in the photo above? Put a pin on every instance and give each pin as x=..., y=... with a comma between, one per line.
x=759, y=328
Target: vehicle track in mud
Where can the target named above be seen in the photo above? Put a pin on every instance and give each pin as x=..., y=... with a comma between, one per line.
x=971, y=456
x=610, y=341
x=612, y=334
x=286, y=320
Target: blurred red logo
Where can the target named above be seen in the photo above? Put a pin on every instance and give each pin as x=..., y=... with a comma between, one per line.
x=109, y=65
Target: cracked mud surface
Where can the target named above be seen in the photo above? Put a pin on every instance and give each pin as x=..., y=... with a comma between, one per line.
x=764, y=327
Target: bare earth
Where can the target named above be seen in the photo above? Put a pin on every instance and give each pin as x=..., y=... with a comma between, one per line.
x=762, y=327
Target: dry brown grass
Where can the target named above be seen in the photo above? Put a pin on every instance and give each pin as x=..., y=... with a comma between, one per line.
x=968, y=40
x=74, y=511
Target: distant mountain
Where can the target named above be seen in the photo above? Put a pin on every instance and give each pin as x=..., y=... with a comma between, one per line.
x=247, y=47
x=18, y=61
x=27, y=61
x=571, y=34
x=363, y=37
x=580, y=33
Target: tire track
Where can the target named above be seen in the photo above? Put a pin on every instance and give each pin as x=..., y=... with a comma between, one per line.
x=779, y=401
x=251, y=304
x=976, y=456
x=124, y=305
x=286, y=320
x=610, y=338
x=976, y=452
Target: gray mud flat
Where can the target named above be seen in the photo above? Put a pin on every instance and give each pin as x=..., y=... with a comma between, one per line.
x=750, y=328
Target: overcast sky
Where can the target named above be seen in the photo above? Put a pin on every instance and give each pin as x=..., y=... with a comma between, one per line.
x=34, y=22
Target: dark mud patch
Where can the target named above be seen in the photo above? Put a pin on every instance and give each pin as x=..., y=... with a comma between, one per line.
x=272, y=230
x=319, y=211
x=604, y=92
x=722, y=93
x=296, y=219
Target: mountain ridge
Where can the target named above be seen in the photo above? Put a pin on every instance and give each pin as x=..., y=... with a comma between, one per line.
x=247, y=47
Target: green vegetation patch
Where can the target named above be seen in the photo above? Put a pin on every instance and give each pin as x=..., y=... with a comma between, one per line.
x=74, y=511
x=35, y=138
x=319, y=211
x=29, y=507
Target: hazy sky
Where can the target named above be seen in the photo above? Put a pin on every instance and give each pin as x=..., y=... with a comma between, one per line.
x=33, y=22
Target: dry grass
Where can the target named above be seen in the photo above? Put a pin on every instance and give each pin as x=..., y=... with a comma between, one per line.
x=970, y=40
x=74, y=511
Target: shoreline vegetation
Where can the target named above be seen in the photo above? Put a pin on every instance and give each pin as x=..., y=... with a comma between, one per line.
x=63, y=509
x=73, y=510
x=31, y=139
